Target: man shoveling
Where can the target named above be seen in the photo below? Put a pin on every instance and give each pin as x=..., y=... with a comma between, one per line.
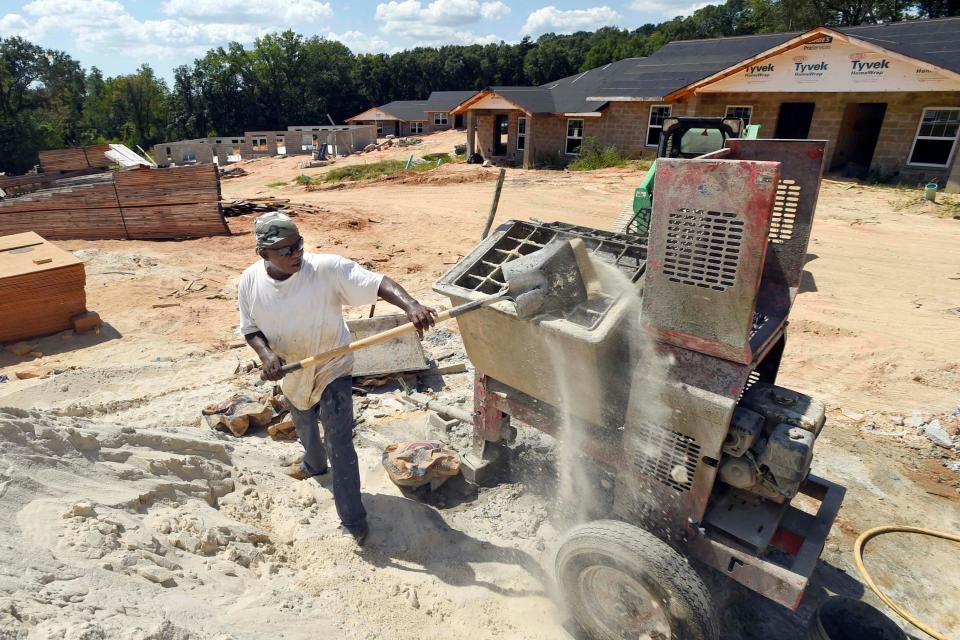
x=290, y=308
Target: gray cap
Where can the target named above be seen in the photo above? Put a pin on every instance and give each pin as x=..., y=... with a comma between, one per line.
x=272, y=228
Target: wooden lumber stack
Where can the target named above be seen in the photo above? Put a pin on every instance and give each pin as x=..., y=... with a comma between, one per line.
x=41, y=287
x=63, y=160
x=175, y=202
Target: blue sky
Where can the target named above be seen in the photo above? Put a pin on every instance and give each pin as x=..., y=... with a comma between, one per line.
x=119, y=35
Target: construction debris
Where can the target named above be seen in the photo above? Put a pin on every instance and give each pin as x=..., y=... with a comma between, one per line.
x=313, y=164
x=283, y=430
x=241, y=207
x=39, y=282
x=126, y=157
x=391, y=142
x=143, y=203
x=86, y=321
x=938, y=435
x=19, y=348
x=232, y=172
x=238, y=413
x=414, y=464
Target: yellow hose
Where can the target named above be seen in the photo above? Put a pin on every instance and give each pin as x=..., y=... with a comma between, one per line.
x=858, y=558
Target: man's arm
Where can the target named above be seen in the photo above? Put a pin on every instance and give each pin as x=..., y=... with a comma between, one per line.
x=396, y=295
x=271, y=361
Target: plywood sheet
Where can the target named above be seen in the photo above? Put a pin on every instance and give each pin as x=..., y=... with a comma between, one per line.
x=400, y=354
x=41, y=287
x=26, y=253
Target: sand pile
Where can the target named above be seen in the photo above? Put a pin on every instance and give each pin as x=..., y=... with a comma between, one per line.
x=85, y=506
x=174, y=533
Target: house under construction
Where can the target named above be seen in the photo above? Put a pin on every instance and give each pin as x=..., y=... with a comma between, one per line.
x=296, y=140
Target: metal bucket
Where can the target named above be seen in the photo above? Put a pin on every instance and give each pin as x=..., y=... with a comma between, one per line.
x=845, y=619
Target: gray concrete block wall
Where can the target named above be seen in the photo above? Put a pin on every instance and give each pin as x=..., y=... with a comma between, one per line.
x=431, y=126
x=897, y=134
x=343, y=137
x=246, y=148
x=349, y=137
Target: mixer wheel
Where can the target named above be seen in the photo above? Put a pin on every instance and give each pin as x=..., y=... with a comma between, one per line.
x=622, y=582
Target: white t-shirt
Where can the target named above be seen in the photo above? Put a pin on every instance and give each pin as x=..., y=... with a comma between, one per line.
x=302, y=316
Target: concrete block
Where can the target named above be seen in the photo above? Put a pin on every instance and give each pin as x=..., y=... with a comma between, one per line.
x=478, y=471
x=87, y=321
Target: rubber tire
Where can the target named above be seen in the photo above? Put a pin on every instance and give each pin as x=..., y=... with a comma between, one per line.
x=656, y=566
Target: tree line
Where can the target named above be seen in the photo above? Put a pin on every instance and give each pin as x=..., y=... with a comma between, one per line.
x=47, y=100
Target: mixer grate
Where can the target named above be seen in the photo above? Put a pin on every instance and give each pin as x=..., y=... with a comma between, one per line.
x=628, y=253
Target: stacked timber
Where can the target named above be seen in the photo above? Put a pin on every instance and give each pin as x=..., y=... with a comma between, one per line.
x=142, y=203
x=78, y=159
x=176, y=202
x=41, y=287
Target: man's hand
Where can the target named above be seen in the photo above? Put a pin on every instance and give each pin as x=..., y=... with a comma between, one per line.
x=418, y=314
x=421, y=316
x=272, y=364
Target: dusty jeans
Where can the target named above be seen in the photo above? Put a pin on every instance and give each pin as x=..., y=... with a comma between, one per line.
x=335, y=411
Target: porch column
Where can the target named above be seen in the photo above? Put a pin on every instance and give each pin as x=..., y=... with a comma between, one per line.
x=528, y=157
x=953, y=181
x=471, y=132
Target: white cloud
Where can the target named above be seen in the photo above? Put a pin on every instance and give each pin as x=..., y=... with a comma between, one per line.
x=106, y=26
x=667, y=8
x=13, y=24
x=446, y=36
x=359, y=42
x=440, y=20
x=550, y=19
x=274, y=12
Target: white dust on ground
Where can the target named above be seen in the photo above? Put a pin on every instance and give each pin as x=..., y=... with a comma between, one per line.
x=117, y=520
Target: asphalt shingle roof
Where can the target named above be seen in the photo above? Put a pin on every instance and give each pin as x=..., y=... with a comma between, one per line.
x=680, y=63
x=406, y=110
x=446, y=100
x=933, y=41
x=533, y=99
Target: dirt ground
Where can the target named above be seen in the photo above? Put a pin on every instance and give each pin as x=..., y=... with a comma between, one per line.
x=121, y=517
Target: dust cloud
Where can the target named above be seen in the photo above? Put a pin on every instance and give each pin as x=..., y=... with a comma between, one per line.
x=634, y=397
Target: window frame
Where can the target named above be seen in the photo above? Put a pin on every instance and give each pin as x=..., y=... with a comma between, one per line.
x=521, y=135
x=441, y=118
x=259, y=144
x=917, y=136
x=379, y=128
x=568, y=137
x=726, y=112
x=419, y=124
x=646, y=139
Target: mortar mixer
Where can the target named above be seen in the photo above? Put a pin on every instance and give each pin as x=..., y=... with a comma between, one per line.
x=717, y=475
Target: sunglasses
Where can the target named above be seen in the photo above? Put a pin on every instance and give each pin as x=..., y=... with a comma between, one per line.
x=290, y=249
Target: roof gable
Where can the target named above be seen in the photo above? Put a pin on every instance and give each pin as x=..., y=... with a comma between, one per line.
x=936, y=42
x=825, y=59
x=679, y=65
x=376, y=113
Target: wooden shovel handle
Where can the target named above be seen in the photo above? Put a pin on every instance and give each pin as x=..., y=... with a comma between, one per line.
x=389, y=334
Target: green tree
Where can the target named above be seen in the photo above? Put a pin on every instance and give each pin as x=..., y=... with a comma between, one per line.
x=41, y=96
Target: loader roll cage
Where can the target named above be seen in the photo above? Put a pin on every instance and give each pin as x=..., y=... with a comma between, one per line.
x=684, y=137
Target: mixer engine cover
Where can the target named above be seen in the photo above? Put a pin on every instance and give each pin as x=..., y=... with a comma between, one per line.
x=769, y=447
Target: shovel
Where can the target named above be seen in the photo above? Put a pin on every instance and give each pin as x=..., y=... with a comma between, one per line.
x=555, y=278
